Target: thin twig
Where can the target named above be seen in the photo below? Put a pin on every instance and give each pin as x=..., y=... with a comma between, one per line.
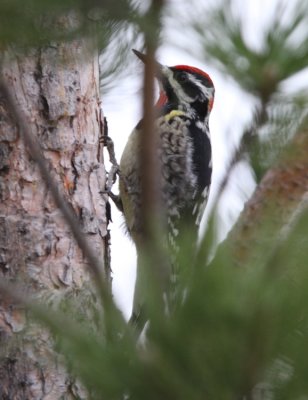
x=249, y=133
x=52, y=319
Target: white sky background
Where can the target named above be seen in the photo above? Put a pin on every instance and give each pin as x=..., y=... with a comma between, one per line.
x=232, y=110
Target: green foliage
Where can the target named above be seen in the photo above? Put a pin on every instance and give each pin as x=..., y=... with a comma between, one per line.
x=219, y=33
x=111, y=27
x=33, y=22
x=264, y=140
x=282, y=52
x=237, y=330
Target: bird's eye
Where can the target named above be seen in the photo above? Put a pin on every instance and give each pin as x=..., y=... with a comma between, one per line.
x=182, y=77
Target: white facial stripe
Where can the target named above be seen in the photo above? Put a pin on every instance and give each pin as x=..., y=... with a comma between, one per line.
x=208, y=92
x=177, y=87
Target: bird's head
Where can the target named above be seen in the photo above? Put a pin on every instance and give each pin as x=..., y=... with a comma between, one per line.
x=184, y=87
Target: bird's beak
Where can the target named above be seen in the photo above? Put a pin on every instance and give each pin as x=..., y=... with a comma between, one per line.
x=144, y=58
x=141, y=56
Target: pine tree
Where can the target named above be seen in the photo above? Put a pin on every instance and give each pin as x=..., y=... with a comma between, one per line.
x=241, y=330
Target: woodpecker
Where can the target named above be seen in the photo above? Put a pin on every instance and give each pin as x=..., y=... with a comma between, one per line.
x=182, y=124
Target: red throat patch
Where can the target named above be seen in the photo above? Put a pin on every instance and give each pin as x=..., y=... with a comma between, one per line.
x=211, y=103
x=162, y=100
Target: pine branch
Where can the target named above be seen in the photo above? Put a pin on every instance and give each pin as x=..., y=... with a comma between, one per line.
x=273, y=204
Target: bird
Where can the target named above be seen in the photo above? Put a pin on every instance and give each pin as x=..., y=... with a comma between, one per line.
x=182, y=111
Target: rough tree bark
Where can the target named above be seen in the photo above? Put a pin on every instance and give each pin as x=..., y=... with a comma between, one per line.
x=57, y=89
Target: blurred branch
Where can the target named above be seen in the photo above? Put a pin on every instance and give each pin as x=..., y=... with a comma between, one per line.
x=245, y=149
x=281, y=170
x=151, y=257
x=114, y=51
x=111, y=27
x=32, y=24
x=246, y=146
x=219, y=31
x=150, y=182
x=87, y=354
x=149, y=163
x=273, y=203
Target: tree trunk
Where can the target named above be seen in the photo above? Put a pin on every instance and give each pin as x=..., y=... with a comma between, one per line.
x=57, y=88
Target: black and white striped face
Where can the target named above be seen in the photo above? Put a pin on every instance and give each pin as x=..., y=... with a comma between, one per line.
x=183, y=87
x=188, y=88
